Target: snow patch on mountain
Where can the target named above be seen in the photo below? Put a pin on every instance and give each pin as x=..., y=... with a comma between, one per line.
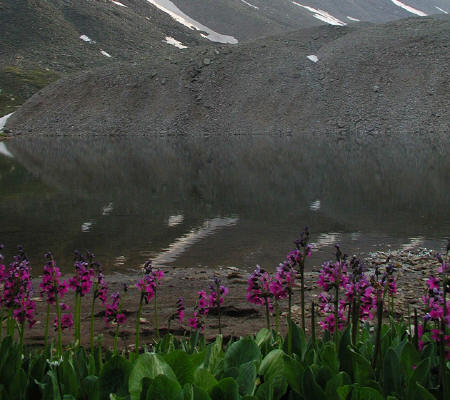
x=3, y=120
x=179, y=16
x=353, y=19
x=313, y=58
x=440, y=9
x=105, y=53
x=174, y=42
x=322, y=15
x=250, y=5
x=409, y=8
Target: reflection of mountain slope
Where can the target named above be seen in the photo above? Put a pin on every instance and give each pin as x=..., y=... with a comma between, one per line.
x=142, y=194
x=379, y=80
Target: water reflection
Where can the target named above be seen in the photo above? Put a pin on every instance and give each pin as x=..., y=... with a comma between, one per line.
x=127, y=194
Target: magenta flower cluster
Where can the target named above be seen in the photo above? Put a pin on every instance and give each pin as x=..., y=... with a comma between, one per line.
x=150, y=282
x=18, y=289
x=113, y=312
x=51, y=287
x=81, y=282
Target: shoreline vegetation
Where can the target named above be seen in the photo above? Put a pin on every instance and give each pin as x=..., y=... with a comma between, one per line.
x=339, y=330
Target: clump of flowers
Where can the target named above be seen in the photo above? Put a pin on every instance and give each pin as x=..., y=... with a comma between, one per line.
x=114, y=314
x=52, y=289
x=332, y=278
x=258, y=290
x=148, y=286
x=216, y=297
x=201, y=309
x=81, y=284
x=100, y=292
x=17, y=294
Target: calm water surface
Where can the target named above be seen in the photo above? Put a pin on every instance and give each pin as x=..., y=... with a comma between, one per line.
x=219, y=202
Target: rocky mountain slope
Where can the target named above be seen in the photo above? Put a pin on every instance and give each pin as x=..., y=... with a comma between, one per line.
x=380, y=79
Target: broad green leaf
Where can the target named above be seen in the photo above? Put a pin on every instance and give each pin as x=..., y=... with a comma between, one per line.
x=246, y=379
x=362, y=370
x=214, y=356
x=265, y=391
x=312, y=390
x=164, y=388
x=147, y=365
x=419, y=376
x=338, y=380
x=344, y=391
x=366, y=393
x=200, y=394
x=69, y=378
x=422, y=394
x=241, y=352
x=392, y=378
x=114, y=377
x=298, y=340
x=91, y=387
x=226, y=389
x=18, y=385
x=329, y=356
x=272, y=365
x=346, y=359
x=409, y=358
x=204, y=379
x=188, y=392
x=263, y=337
x=182, y=365
x=293, y=371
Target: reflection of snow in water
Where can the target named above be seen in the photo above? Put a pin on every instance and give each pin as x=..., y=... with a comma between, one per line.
x=106, y=210
x=409, y=8
x=181, y=244
x=322, y=15
x=174, y=42
x=175, y=220
x=250, y=5
x=5, y=151
x=325, y=239
x=440, y=9
x=315, y=205
x=313, y=58
x=86, y=39
x=353, y=19
x=179, y=16
x=414, y=242
x=118, y=3
x=86, y=226
x=105, y=53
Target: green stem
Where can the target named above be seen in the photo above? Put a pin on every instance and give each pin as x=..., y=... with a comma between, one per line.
x=267, y=313
x=302, y=292
x=155, y=310
x=416, y=330
x=59, y=340
x=138, y=324
x=10, y=324
x=91, y=330
x=355, y=321
x=1, y=323
x=443, y=367
x=219, y=314
x=378, y=334
x=289, y=324
x=313, y=322
x=47, y=319
x=21, y=329
x=277, y=315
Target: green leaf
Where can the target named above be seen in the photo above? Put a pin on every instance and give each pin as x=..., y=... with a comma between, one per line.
x=204, y=379
x=346, y=359
x=214, y=356
x=114, y=377
x=311, y=389
x=344, y=391
x=392, y=378
x=422, y=393
x=241, y=352
x=409, y=358
x=293, y=371
x=182, y=366
x=263, y=337
x=247, y=378
x=91, y=387
x=69, y=378
x=334, y=383
x=265, y=391
x=18, y=385
x=226, y=389
x=329, y=356
x=200, y=394
x=164, y=388
x=419, y=376
x=298, y=340
x=366, y=393
x=150, y=366
x=272, y=365
x=362, y=370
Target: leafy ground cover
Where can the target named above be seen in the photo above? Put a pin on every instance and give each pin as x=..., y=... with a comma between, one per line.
x=361, y=352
